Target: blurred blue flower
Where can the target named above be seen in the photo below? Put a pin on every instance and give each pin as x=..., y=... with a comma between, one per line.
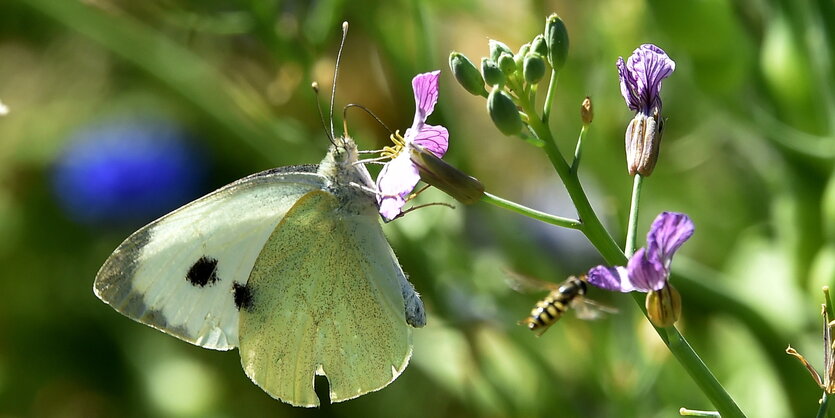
x=127, y=172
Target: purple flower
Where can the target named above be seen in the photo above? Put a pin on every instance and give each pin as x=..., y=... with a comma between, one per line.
x=640, y=85
x=641, y=76
x=649, y=268
x=400, y=175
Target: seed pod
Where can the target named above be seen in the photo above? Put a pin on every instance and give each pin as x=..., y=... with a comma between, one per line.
x=534, y=68
x=556, y=38
x=504, y=113
x=466, y=74
x=664, y=306
x=493, y=76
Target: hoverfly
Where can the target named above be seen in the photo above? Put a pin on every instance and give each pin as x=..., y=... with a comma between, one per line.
x=568, y=294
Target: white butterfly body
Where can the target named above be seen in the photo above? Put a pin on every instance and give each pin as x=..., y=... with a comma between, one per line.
x=291, y=265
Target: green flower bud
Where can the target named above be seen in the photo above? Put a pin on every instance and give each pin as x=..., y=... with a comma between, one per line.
x=539, y=46
x=534, y=68
x=492, y=74
x=519, y=58
x=556, y=38
x=507, y=64
x=466, y=74
x=663, y=306
x=504, y=113
x=497, y=49
x=447, y=178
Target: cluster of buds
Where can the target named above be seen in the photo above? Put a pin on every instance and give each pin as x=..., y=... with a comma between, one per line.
x=513, y=76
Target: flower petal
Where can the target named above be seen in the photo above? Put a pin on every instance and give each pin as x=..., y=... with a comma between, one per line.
x=396, y=180
x=615, y=279
x=645, y=69
x=646, y=274
x=426, y=95
x=628, y=86
x=432, y=138
x=668, y=231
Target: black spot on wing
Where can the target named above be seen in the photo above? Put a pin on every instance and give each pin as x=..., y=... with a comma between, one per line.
x=242, y=295
x=203, y=272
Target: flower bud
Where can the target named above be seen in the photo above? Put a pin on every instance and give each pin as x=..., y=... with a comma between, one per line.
x=586, y=111
x=663, y=306
x=493, y=76
x=643, y=140
x=504, y=112
x=556, y=38
x=497, y=49
x=450, y=180
x=466, y=74
x=534, y=68
x=519, y=58
x=539, y=46
x=507, y=64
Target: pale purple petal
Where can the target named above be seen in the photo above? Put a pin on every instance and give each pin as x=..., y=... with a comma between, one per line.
x=396, y=180
x=668, y=232
x=615, y=279
x=432, y=138
x=640, y=78
x=426, y=95
x=645, y=274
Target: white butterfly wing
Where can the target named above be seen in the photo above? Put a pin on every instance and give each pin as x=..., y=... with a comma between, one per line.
x=180, y=273
x=329, y=306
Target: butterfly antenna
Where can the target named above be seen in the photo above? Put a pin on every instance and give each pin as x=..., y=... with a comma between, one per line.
x=377, y=118
x=315, y=87
x=336, y=71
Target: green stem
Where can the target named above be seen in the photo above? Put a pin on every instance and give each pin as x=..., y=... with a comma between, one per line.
x=631, y=230
x=608, y=248
x=578, y=150
x=824, y=406
x=549, y=97
x=532, y=213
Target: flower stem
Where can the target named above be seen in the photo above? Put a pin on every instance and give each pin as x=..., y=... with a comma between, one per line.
x=824, y=406
x=531, y=213
x=631, y=230
x=549, y=97
x=603, y=242
x=575, y=164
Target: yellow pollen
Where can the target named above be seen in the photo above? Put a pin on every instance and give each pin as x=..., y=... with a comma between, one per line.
x=399, y=143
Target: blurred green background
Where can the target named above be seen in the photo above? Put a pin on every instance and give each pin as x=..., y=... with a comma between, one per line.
x=748, y=153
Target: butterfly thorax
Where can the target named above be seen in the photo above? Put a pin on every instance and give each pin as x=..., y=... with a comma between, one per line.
x=348, y=179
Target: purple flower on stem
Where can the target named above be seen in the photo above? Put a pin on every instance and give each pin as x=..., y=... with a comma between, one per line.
x=399, y=176
x=640, y=84
x=649, y=268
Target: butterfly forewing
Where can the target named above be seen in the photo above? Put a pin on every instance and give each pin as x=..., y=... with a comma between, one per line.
x=326, y=306
x=178, y=273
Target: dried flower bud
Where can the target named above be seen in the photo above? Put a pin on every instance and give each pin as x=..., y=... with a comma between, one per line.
x=452, y=181
x=663, y=306
x=539, y=46
x=504, y=113
x=507, y=64
x=534, y=68
x=497, y=49
x=643, y=140
x=556, y=38
x=586, y=111
x=466, y=74
x=493, y=76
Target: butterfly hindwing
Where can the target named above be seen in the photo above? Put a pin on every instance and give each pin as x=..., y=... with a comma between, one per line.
x=325, y=306
x=185, y=272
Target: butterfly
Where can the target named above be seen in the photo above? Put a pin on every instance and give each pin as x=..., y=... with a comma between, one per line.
x=291, y=266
